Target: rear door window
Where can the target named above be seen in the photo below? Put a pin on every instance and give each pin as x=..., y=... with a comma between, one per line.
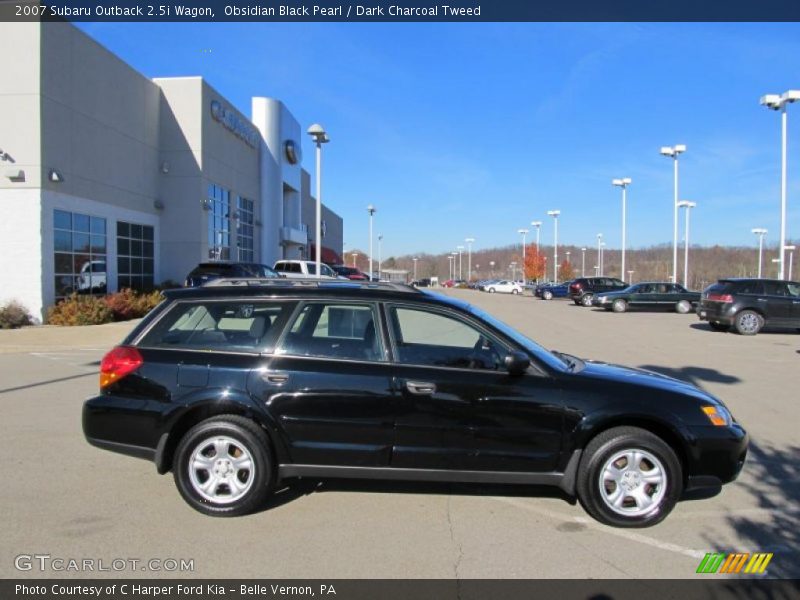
x=334, y=330
x=751, y=287
x=239, y=326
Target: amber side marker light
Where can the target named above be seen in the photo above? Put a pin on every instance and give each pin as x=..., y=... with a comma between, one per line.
x=718, y=416
x=118, y=363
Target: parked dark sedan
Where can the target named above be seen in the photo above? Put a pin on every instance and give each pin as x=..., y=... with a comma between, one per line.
x=749, y=305
x=548, y=291
x=236, y=386
x=657, y=295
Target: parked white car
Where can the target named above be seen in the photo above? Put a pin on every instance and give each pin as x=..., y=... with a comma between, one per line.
x=505, y=287
x=304, y=269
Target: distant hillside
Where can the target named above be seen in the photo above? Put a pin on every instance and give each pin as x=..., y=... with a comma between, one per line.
x=706, y=264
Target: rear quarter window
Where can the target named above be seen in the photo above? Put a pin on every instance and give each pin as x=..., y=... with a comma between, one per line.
x=223, y=326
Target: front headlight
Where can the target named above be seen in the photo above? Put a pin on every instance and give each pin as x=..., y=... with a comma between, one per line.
x=718, y=415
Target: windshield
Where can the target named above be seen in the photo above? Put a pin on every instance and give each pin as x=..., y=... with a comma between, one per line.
x=541, y=353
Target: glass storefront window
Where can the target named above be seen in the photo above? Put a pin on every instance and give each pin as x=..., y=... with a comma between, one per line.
x=79, y=258
x=135, y=256
x=219, y=230
x=245, y=229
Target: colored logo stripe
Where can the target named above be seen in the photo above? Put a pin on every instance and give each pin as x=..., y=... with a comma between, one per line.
x=717, y=562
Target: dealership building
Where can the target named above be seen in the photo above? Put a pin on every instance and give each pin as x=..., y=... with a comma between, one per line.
x=110, y=180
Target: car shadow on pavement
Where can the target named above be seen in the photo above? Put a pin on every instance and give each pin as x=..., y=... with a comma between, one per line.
x=694, y=375
x=774, y=483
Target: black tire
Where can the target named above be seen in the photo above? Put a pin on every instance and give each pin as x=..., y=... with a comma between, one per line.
x=586, y=299
x=248, y=439
x=577, y=302
x=619, y=440
x=514, y=291
x=619, y=305
x=683, y=307
x=547, y=295
x=491, y=290
x=748, y=322
x=717, y=326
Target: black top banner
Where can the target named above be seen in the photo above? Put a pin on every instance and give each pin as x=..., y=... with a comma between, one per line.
x=399, y=10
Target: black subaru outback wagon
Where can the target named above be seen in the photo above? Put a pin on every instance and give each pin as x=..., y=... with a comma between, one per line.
x=239, y=385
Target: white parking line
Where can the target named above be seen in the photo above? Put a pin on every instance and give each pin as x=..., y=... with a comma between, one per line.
x=622, y=533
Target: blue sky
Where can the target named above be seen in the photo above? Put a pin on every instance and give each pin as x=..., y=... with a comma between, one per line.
x=457, y=130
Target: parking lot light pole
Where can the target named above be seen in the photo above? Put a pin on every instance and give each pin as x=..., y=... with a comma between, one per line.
x=599, y=241
x=623, y=183
x=355, y=255
x=491, y=267
x=777, y=261
x=538, y=225
x=371, y=210
x=513, y=267
x=469, y=242
x=460, y=250
x=760, y=232
x=415, y=268
x=779, y=102
x=555, y=214
x=688, y=206
x=630, y=276
x=524, y=233
x=790, y=250
x=583, y=261
x=380, y=243
x=568, y=261
x=317, y=133
x=602, y=258
x=673, y=152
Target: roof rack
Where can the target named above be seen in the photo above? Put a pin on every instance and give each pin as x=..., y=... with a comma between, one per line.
x=317, y=283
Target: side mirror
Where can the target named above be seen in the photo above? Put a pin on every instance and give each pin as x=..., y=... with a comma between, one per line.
x=516, y=363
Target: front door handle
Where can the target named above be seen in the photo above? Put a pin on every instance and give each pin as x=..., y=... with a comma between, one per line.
x=278, y=378
x=421, y=388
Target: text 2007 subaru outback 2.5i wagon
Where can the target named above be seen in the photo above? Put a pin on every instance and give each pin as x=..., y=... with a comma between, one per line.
x=237, y=386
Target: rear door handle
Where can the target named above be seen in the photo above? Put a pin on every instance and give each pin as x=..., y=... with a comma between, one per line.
x=421, y=388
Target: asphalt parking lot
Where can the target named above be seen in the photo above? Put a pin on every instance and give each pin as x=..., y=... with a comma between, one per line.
x=66, y=499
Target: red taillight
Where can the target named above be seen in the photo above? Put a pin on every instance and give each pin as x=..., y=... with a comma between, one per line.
x=727, y=298
x=118, y=363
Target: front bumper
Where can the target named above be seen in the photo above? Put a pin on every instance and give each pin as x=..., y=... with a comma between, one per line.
x=717, y=454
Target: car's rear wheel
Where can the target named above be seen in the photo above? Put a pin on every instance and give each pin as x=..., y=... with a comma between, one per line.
x=223, y=466
x=629, y=477
x=547, y=295
x=717, y=326
x=619, y=305
x=748, y=322
x=586, y=300
x=491, y=290
x=515, y=291
x=683, y=306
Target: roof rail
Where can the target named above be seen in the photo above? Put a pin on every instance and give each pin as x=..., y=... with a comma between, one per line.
x=318, y=283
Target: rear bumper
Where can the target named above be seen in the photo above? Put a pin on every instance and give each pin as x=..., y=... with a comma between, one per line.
x=718, y=314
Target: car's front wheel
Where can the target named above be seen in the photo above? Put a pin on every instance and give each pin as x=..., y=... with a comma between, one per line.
x=491, y=290
x=619, y=305
x=629, y=477
x=223, y=466
x=586, y=300
x=547, y=295
x=748, y=322
x=514, y=291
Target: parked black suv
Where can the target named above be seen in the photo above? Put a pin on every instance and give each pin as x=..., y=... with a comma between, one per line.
x=235, y=386
x=748, y=305
x=583, y=289
x=205, y=272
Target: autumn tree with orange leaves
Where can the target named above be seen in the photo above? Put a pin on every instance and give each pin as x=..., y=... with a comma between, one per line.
x=534, y=263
